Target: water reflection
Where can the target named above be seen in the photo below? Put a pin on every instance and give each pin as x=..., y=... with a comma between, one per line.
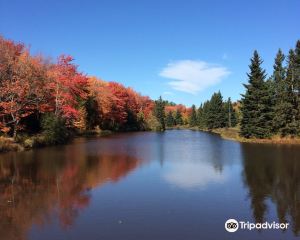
x=197, y=159
x=36, y=185
x=58, y=187
x=273, y=173
x=191, y=175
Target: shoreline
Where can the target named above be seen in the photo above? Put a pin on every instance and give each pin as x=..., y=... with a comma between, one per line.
x=232, y=134
x=7, y=144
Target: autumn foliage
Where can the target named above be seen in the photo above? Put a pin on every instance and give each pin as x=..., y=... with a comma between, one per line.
x=32, y=87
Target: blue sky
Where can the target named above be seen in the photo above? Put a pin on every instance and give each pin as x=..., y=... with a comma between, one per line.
x=183, y=50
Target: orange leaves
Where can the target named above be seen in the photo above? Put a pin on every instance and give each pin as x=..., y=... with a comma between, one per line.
x=67, y=86
x=118, y=105
x=21, y=78
x=30, y=85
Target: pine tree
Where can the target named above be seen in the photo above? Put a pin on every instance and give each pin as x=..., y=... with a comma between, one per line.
x=178, y=118
x=290, y=112
x=159, y=112
x=200, y=117
x=193, y=117
x=170, y=121
x=297, y=78
x=256, y=103
x=229, y=114
x=278, y=78
x=215, y=114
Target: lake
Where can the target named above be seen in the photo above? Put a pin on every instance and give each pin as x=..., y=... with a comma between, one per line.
x=180, y=184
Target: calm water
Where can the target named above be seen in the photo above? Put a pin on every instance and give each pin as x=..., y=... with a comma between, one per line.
x=172, y=185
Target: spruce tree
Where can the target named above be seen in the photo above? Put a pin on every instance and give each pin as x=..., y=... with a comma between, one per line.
x=159, y=112
x=170, y=121
x=215, y=115
x=178, y=118
x=278, y=78
x=229, y=114
x=290, y=112
x=205, y=114
x=200, y=117
x=297, y=78
x=256, y=103
x=193, y=117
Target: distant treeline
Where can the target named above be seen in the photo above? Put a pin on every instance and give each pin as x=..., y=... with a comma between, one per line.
x=214, y=113
x=270, y=106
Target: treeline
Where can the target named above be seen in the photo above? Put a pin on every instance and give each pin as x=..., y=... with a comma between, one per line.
x=214, y=113
x=54, y=99
x=271, y=106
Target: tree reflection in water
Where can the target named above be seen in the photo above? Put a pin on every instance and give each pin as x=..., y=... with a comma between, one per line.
x=272, y=172
x=36, y=185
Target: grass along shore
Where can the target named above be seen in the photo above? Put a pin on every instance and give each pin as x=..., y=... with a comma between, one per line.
x=24, y=142
x=233, y=134
x=28, y=142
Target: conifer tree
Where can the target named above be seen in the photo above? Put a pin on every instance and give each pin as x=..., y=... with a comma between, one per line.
x=278, y=78
x=193, y=117
x=178, y=118
x=203, y=119
x=256, y=103
x=290, y=112
x=170, y=121
x=229, y=114
x=200, y=121
x=215, y=114
x=297, y=77
x=159, y=112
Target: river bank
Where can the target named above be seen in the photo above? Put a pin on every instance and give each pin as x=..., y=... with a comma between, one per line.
x=24, y=142
x=233, y=135
x=29, y=142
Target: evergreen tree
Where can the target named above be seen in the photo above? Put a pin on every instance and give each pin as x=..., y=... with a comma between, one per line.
x=256, y=103
x=170, y=121
x=200, y=117
x=229, y=114
x=290, y=112
x=178, y=118
x=193, y=117
x=297, y=77
x=279, y=72
x=159, y=112
x=206, y=107
x=234, y=118
x=215, y=114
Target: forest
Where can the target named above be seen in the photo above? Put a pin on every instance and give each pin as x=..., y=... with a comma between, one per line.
x=43, y=101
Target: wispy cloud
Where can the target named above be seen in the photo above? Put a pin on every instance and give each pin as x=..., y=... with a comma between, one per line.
x=193, y=76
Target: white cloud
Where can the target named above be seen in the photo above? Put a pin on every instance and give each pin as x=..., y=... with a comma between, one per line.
x=193, y=76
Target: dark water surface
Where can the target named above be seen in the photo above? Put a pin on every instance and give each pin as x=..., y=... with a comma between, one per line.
x=173, y=185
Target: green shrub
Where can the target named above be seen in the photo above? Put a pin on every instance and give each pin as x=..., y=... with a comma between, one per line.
x=153, y=124
x=54, y=129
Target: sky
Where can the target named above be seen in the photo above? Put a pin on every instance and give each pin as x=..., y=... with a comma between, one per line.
x=183, y=50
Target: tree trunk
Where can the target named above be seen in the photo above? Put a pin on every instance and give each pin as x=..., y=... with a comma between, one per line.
x=15, y=130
